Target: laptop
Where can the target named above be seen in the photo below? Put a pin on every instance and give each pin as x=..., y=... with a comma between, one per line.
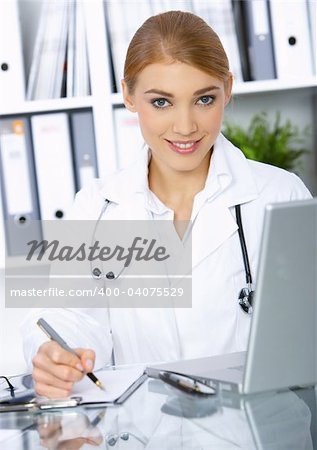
x=282, y=347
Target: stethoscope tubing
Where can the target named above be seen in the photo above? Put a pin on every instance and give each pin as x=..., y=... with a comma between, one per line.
x=246, y=304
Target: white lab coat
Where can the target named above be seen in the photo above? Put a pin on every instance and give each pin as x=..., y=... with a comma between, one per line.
x=215, y=323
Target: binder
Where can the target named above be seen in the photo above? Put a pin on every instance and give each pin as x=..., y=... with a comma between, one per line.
x=49, y=53
x=58, y=84
x=54, y=164
x=259, y=39
x=71, y=48
x=2, y=234
x=292, y=45
x=34, y=69
x=128, y=138
x=84, y=147
x=159, y=6
x=81, y=72
x=123, y=20
x=18, y=186
x=241, y=33
x=12, y=82
x=312, y=16
x=219, y=15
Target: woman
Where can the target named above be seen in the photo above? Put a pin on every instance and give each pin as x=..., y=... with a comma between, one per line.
x=177, y=80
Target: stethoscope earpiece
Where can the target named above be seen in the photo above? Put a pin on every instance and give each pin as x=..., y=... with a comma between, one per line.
x=110, y=276
x=112, y=439
x=96, y=273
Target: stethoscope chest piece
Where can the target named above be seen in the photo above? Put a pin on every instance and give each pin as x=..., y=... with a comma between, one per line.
x=246, y=300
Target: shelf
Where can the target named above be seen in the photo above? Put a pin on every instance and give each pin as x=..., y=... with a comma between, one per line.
x=55, y=104
x=253, y=87
x=248, y=87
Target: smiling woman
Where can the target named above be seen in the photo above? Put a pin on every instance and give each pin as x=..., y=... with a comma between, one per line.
x=177, y=80
x=179, y=93
x=180, y=108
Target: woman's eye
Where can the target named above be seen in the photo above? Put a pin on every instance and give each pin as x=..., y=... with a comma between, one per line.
x=206, y=100
x=160, y=103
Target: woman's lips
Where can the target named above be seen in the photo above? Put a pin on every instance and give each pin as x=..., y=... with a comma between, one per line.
x=183, y=147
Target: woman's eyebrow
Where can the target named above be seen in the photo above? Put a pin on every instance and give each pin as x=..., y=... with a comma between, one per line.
x=167, y=94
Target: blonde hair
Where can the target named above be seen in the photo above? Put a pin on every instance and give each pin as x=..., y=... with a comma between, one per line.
x=175, y=36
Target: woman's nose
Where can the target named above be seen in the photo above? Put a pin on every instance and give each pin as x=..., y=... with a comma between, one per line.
x=184, y=123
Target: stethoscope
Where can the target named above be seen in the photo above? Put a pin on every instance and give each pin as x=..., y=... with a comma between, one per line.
x=246, y=294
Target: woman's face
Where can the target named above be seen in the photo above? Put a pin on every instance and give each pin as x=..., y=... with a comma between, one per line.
x=180, y=110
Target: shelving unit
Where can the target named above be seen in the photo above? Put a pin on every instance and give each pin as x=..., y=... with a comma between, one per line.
x=58, y=104
x=103, y=100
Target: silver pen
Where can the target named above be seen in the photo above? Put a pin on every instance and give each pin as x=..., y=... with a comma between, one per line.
x=51, y=333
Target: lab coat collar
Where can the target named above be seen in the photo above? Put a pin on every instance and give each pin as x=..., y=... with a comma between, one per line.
x=229, y=174
x=123, y=184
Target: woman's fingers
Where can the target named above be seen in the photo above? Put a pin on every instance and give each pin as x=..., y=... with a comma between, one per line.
x=46, y=378
x=55, y=370
x=87, y=358
x=59, y=370
x=50, y=391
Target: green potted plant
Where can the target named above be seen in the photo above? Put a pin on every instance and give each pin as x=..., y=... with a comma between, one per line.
x=279, y=144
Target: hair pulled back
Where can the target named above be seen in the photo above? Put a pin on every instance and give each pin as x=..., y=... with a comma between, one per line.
x=175, y=36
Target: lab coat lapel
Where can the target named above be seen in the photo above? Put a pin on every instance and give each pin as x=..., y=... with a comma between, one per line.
x=230, y=182
x=214, y=225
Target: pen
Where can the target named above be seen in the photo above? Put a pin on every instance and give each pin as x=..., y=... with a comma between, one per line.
x=51, y=333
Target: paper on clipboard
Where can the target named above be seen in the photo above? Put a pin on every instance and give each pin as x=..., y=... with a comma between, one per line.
x=119, y=383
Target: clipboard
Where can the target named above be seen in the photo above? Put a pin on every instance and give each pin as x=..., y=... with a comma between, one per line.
x=26, y=400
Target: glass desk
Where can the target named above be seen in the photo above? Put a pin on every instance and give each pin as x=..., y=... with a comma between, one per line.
x=158, y=417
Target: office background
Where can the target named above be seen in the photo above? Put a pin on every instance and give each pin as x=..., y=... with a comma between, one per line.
x=62, y=119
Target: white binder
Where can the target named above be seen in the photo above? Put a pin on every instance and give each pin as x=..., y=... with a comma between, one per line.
x=129, y=140
x=312, y=14
x=54, y=165
x=2, y=236
x=37, y=51
x=18, y=186
x=219, y=15
x=71, y=49
x=124, y=18
x=49, y=52
x=159, y=6
x=12, y=81
x=81, y=72
x=291, y=39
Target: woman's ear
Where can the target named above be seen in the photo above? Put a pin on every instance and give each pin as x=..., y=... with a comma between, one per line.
x=228, y=88
x=127, y=97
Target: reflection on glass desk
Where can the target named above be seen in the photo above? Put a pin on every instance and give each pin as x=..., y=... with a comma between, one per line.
x=159, y=417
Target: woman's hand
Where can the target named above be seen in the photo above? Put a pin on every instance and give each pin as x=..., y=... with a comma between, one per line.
x=55, y=370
